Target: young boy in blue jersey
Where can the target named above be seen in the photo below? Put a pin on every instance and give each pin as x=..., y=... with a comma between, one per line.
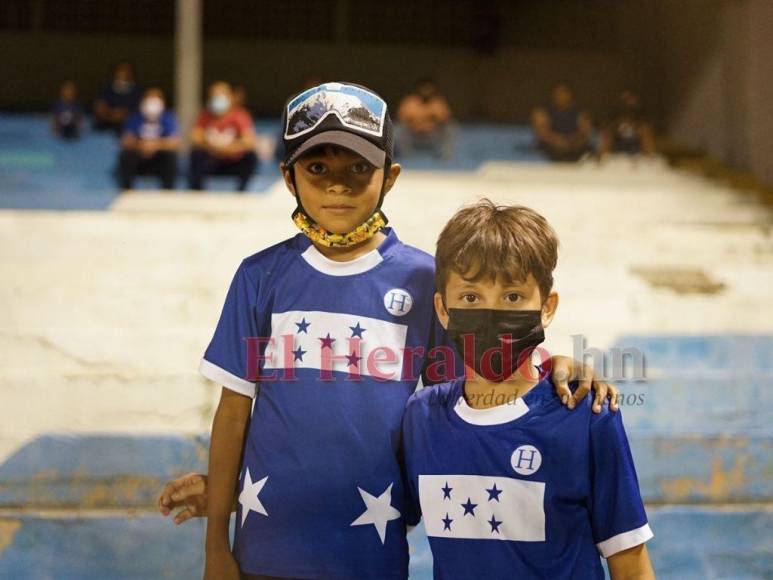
x=511, y=484
x=316, y=349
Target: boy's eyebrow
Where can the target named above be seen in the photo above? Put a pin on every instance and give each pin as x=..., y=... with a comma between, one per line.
x=515, y=285
x=470, y=285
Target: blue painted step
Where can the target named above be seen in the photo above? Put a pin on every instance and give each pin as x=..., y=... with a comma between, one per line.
x=709, y=385
x=126, y=471
x=96, y=470
x=689, y=544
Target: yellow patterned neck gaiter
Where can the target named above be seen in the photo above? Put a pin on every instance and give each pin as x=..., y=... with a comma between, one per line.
x=321, y=236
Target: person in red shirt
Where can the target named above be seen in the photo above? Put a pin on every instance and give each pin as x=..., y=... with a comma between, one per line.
x=223, y=140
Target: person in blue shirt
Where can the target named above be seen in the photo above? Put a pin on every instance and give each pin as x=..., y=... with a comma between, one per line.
x=509, y=483
x=67, y=112
x=563, y=130
x=118, y=100
x=149, y=143
x=320, y=344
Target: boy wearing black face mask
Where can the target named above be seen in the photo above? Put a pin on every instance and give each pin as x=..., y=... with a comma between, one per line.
x=509, y=482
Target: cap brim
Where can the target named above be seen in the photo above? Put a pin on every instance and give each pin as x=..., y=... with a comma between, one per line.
x=350, y=141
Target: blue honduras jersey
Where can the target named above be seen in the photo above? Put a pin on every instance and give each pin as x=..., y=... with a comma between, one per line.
x=528, y=489
x=143, y=128
x=321, y=489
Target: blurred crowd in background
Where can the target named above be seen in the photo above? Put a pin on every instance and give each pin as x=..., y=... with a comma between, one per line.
x=224, y=140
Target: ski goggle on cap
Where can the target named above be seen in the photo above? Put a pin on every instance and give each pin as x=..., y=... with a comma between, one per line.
x=344, y=114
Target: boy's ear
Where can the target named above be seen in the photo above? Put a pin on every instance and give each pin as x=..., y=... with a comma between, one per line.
x=394, y=173
x=287, y=175
x=440, y=310
x=549, y=308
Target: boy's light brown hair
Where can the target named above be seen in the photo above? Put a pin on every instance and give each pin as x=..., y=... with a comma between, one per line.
x=508, y=242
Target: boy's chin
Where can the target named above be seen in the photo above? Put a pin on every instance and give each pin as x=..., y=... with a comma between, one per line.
x=338, y=226
x=337, y=229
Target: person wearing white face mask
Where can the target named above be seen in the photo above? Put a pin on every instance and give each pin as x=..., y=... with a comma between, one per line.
x=118, y=100
x=223, y=140
x=149, y=143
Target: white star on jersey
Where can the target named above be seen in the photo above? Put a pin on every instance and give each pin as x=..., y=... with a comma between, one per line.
x=249, y=496
x=378, y=511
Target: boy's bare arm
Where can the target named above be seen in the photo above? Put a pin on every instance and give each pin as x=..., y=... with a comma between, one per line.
x=229, y=428
x=631, y=564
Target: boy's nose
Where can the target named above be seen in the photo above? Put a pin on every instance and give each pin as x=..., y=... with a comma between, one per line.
x=338, y=188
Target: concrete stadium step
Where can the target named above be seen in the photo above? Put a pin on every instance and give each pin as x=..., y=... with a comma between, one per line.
x=113, y=471
x=700, y=469
x=689, y=543
x=711, y=385
x=97, y=470
x=180, y=202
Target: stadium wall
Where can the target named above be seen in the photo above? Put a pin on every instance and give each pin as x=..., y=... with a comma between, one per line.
x=715, y=78
x=504, y=86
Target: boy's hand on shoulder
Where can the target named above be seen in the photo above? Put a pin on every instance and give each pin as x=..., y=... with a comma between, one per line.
x=565, y=369
x=188, y=491
x=221, y=565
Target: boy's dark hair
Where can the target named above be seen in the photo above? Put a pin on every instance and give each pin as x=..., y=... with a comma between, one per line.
x=497, y=241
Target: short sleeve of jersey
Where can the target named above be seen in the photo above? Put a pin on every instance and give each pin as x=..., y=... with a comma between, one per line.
x=169, y=125
x=617, y=512
x=225, y=360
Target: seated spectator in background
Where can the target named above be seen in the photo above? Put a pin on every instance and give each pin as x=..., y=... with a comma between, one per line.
x=68, y=113
x=118, y=100
x=563, y=131
x=150, y=142
x=425, y=121
x=628, y=132
x=223, y=140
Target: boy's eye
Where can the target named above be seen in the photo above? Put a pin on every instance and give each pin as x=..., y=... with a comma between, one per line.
x=360, y=167
x=316, y=168
x=469, y=298
x=512, y=297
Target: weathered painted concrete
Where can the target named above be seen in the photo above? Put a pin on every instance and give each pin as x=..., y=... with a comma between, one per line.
x=101, y=472
x=689, y=544
x=104, y=315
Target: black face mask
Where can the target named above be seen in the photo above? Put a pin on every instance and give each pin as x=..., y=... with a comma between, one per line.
x=492, y=357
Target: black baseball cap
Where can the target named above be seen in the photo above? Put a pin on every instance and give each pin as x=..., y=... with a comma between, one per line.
x=338, y=113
